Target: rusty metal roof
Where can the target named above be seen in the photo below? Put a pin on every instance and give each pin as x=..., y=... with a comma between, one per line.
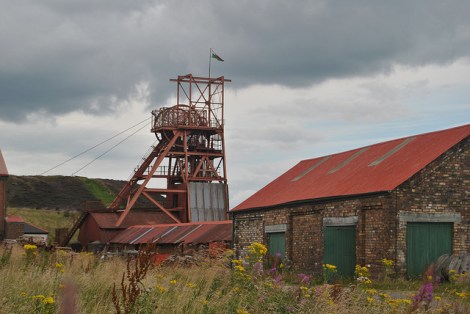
x=12, y=218
x=375, y=168
x=107, y=220
x=3, y=166
x=200, y=232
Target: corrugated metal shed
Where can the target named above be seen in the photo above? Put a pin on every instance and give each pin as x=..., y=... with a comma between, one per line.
x=375, y=168
x=202, y=232
x=101, y=226
x=3, y=166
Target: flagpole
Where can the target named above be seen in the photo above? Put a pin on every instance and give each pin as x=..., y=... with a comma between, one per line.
x=210, y=58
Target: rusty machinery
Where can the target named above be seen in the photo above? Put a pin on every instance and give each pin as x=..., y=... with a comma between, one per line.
x=184, y=175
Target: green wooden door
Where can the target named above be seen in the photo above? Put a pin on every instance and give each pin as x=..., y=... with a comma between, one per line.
x=276, y=245
x=340, y=248
x=425, y=242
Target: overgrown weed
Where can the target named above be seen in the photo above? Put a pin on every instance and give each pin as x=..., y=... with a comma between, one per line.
x=37, y=283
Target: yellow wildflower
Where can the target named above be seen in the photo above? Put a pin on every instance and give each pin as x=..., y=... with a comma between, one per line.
x=269, y=284
x=239, y=268
x=329, y=267
x=461, y=294
x=48, y=300
x=238, y=262
x=242, y=311
x=191, y=285
x=30, y=247
x=387, y=262
x=371, y=291
x=38, y=296
x=160, y=289
x=173, y=282
x=384, y=295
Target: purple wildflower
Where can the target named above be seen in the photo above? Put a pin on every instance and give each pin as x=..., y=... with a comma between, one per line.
x=278, y=279
x=304, y=279
x=258, y=269
x=424, y=294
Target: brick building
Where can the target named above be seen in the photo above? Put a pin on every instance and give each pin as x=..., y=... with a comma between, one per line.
x=407, y=200
x=3, y=211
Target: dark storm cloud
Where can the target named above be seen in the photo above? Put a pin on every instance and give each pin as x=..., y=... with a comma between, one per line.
x=61, y=56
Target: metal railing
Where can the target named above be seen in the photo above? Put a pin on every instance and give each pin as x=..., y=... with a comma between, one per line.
x=182, y=116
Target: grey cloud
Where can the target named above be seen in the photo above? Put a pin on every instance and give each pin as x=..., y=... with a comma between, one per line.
x=62, y=56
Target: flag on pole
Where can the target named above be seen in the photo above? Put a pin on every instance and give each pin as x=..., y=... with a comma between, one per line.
x=216, y=56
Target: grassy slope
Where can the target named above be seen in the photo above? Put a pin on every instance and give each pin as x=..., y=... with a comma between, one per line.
x=59, y=192
x=99, y=190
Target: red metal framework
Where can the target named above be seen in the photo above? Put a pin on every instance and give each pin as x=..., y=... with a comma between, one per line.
x=184, y=175
x=189, y=159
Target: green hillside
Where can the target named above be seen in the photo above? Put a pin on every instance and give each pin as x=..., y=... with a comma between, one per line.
x=59, y=192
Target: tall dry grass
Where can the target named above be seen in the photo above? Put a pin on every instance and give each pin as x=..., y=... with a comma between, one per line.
x=35, y=281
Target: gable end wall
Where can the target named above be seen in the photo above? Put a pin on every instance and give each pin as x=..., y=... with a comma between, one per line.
x=440, y=191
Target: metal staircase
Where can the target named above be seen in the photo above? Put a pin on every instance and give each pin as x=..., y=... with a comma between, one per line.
x=74, y=228
x=139, y=173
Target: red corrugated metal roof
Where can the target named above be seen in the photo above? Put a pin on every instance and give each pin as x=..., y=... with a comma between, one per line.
x=375, y=168
x=195, y=232
x=207, y=233
x=3, y=166
x=11, y=218
x=107, y=220
x=176, y=234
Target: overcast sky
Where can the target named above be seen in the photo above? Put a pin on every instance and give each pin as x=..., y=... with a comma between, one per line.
x=309, y=78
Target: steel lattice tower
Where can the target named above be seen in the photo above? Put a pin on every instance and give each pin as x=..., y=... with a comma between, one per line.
x=184, y=175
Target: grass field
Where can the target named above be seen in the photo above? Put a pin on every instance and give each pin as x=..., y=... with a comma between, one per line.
x=35, y=281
